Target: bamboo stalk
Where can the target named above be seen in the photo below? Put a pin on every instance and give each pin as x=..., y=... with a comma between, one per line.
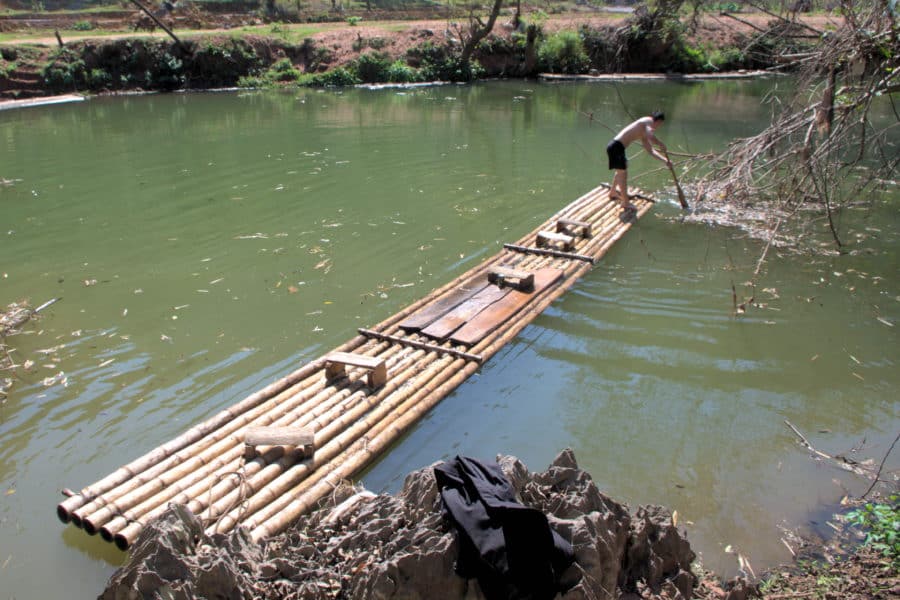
x=347, y=432
x=373, y=421
x=439, y=367
x=457, y=371
x=92, y=515
x=65, y=508
x=125, y=531
x=169, y=485
x=325, y=403
x=280, y=501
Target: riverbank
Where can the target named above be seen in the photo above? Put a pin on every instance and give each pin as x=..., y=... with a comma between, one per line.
x=362, y=545
x=279, y=54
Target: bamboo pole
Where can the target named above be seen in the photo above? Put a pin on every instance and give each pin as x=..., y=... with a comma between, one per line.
x=281, y=502
x=346, y=433
x=91, y=516
x=373, y=419
x=457, y=371
x=122, y=474
x=136, y=489
x=199, y=495
x=222, y=458
x=327, y=402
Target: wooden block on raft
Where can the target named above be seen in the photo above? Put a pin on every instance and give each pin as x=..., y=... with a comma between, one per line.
x=546, y=237
x=301, y=438
x=568, y=226
x=503, y=276
x=336, y=363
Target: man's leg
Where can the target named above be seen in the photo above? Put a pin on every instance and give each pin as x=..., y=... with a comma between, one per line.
x=619, y=189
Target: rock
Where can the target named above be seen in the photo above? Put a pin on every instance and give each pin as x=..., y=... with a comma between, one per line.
x=389, y=547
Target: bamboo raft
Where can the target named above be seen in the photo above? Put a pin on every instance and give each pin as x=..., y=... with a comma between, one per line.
x=273, y=456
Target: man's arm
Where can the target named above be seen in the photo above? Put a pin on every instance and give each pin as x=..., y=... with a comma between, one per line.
x=648, y=139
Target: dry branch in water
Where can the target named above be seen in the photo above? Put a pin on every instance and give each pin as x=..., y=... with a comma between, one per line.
x=823, y=149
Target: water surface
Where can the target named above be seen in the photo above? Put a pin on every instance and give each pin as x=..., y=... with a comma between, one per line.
x=204, y=245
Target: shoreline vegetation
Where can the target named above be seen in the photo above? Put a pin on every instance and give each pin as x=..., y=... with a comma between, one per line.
x=55, y=56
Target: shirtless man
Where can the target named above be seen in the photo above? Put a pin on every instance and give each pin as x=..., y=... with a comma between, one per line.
x=642, y=129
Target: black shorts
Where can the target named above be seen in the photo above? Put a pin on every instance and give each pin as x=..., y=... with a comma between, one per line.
x=616, y=153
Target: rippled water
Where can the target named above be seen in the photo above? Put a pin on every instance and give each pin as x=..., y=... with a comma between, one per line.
x=204, y=245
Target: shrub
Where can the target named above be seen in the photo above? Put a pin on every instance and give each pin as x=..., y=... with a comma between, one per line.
x=372, y=67
x=400, y=72
x=439, y=63
x=882, y=522
x=337, y=78
x=353, y=21
x=727, y=59
x=98, y=79
x=281, y=71
x=65, y=71
x=83, y=26
x=563, y=52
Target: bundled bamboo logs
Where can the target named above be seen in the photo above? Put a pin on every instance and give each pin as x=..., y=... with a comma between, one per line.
x=207, y=468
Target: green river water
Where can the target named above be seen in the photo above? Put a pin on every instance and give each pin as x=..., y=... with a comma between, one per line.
x=204, y=245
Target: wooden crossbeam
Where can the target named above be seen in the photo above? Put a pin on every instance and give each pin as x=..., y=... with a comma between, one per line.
x=336, y=363
x=549, y=252
x=420, y=345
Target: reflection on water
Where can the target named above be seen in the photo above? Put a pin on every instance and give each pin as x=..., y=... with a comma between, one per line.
x=204, y=245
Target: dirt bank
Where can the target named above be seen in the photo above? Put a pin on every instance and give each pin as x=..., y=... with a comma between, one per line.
x=36, y=66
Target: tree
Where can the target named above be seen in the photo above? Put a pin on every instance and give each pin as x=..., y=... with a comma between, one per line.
x=822, y=150
x=477, y=31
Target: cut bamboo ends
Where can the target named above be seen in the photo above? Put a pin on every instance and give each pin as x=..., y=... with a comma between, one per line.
x=258, y=464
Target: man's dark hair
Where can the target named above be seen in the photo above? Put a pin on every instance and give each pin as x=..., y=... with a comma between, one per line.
x=658, y=115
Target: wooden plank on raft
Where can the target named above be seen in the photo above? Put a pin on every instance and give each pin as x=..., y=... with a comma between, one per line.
x=432, y=311
x=499, y=312
x=454, y=319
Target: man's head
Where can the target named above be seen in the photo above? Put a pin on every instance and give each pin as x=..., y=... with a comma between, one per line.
x=658, y=116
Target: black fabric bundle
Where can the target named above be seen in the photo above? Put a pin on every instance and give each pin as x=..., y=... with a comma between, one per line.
x=510, y=548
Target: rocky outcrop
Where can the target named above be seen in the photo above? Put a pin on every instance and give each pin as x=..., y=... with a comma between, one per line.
x=360, y=545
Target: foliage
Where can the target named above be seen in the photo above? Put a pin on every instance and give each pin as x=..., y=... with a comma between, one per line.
x=83, y=26
x=282, y=71
x=371, y=67
x=441, y=63
x=353, y=21
x=6, y=69
x=563, y=52
x=222, y=64
x=64, y=72
x=335, y=78
x=400, y=72
x=883, y=524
